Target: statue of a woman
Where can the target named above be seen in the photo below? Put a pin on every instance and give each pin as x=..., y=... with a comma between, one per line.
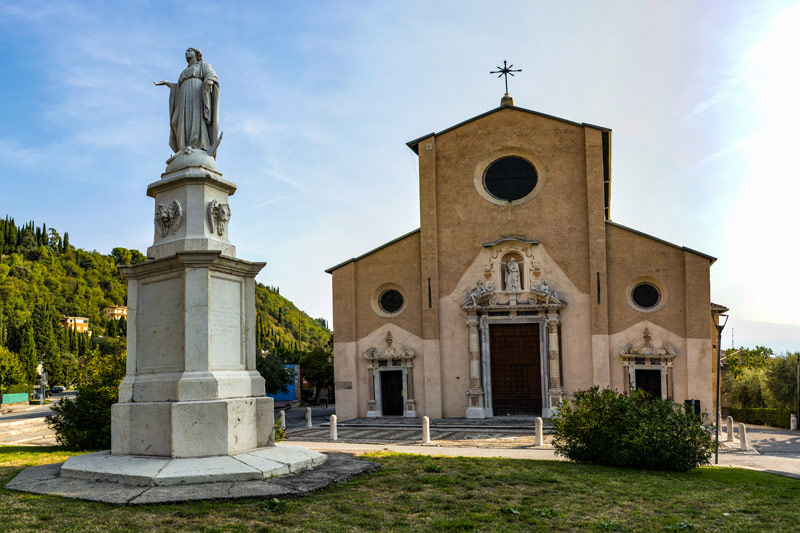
x=194, y=107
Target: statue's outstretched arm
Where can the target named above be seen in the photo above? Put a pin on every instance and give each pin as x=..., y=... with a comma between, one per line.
x=164, y=82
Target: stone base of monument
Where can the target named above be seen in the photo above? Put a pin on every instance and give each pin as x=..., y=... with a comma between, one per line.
x=278, y=471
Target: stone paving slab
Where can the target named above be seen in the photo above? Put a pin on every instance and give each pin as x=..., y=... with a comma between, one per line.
x=47, y=479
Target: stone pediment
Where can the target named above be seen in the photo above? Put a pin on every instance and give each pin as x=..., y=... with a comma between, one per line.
x=484, y=297
x=647, y=350
x=390, y=353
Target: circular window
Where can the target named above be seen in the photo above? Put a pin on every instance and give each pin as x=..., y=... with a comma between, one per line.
x=390, y=301
x=510, y=178
x=646, y=295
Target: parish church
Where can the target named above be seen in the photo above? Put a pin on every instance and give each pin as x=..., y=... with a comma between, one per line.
x=518, y=289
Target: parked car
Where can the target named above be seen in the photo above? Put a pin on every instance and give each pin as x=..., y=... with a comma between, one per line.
x=58, y=389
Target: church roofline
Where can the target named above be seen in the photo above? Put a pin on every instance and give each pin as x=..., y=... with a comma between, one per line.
x=381, y=247
x=415, y=143
x=712, y=259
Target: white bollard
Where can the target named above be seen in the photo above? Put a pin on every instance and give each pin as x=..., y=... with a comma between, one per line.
x=742, y=437
x=308, y=417
x=538, y=431
x=282, y=420
x=334, y=433
x=793, y=422
x=730, y=429
x=426, y=430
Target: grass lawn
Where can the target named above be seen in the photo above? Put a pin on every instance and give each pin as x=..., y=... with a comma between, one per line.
x=444, y=494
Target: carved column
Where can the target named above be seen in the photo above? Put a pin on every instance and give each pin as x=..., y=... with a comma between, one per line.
x=555, y=393
x=369, y=355
x=408, y=362
x=475, y=398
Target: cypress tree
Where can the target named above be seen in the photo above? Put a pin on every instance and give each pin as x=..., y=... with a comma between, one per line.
x=27, y=351
x=111, y=328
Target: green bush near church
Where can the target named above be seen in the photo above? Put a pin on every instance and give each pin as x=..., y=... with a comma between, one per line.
x=608, y=428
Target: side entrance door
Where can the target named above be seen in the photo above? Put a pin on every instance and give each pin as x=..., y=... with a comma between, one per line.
x=649, y=381
x=392, y=392
x=516, y=369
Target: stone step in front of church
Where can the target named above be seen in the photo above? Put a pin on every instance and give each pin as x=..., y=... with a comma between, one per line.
x=381, y=435
x=517, y=423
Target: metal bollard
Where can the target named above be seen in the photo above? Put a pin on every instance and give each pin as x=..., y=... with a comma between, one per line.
x=426, y=430
x=308, y=417
x=334, y=433
x=538, y=431
x=742, y=437
x=730, y=429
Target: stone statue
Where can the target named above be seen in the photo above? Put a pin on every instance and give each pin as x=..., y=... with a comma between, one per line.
x=194, y=114
x=512, y=276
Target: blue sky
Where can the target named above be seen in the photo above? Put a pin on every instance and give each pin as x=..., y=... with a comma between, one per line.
x=319, y=98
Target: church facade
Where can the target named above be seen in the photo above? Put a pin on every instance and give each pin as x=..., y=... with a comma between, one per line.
x=517, y=290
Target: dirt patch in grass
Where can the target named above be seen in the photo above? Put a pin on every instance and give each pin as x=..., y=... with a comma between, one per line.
x=444, y=494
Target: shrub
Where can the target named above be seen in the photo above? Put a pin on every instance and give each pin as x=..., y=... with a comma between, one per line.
x=18, y=388
x=762, y=416
x=85, y=422
x=637, y=431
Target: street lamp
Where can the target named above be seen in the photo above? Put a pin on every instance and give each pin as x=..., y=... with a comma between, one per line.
x=719, y=322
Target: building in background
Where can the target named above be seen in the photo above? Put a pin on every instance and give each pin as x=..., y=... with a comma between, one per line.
x=78, y=323
x=115, y=311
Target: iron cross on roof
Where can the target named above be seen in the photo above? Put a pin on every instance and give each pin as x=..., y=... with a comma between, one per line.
x=506, y=71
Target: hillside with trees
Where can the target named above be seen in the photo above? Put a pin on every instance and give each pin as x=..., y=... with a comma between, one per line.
x=43, y=278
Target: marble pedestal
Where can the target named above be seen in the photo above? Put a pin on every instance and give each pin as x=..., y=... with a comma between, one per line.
x=191, y=388
x=192, y=406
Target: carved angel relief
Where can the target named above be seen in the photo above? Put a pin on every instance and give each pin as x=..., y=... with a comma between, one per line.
x=168, y=217
x=218, y=215
x=481, y=293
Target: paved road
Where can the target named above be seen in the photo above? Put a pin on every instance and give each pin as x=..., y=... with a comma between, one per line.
x=23, y=412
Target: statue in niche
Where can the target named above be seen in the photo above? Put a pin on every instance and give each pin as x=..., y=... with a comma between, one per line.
x=194, y=113
x=512, y=276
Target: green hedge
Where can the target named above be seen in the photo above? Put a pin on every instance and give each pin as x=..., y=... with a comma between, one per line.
x=761, y=416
